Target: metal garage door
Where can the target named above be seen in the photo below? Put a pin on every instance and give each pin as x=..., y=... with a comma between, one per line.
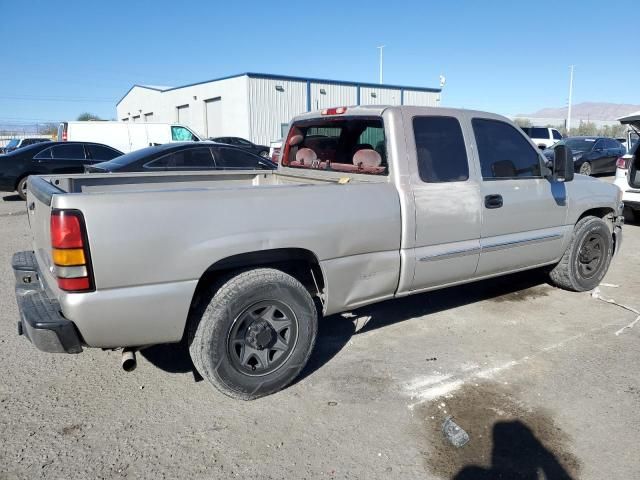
x=213, y=109
x=183, y=114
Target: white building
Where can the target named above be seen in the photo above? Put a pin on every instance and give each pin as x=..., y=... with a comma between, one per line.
x=257, y=106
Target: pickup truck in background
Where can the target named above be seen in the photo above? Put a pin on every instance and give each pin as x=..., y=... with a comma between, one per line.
x=367, y=204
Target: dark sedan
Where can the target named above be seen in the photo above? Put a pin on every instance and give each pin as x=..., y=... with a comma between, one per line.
x=49, y=158
x=239, y=142
x=185, y=156
x=592, y=154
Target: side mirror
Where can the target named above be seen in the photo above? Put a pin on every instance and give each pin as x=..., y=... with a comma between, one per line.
x=563, y=168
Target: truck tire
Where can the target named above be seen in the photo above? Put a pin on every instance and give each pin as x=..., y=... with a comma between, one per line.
x=253, y=333
x=586, y=260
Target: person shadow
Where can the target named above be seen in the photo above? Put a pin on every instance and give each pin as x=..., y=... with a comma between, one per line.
x=517, y=455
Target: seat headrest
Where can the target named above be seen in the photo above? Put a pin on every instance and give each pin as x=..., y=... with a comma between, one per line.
x=367, y=158
x=306, y=156
x=296, y=137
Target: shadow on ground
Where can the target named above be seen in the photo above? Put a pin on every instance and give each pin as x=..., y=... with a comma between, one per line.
x=507, y=439
x=12, y=198
x=335, y=331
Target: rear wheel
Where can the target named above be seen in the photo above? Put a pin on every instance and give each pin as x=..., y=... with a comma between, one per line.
x=585, y=168
x=22, y=188
x=586, y=261
x=254, y=334
x=264, y=154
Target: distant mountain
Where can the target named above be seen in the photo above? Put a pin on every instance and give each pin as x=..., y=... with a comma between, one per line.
x=587, y=110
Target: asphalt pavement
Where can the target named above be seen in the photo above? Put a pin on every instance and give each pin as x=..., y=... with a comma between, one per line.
x=541, y=379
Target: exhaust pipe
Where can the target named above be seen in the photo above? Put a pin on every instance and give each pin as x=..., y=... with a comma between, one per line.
x=129, y=362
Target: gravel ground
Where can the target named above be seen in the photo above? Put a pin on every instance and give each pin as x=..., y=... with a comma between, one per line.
x=537, y=376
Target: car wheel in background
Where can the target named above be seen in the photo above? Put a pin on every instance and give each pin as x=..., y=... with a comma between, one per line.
x=253, y=332
x=585, y=168
x=22, y=188
x=264, y=154
x=586, y=260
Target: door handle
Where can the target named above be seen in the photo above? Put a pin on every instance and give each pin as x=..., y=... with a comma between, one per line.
x=493, y=201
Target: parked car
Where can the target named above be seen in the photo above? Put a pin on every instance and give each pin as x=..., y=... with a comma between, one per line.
x=261, y=150
x=125, y=136
x=543, y=137
x=49, y=158
x=184, y=156
x=628, y=173
x=16, y=143
x=239, y=265
x=592, y=154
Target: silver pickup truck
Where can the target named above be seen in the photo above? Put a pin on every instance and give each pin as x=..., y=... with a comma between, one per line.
x=368, y=204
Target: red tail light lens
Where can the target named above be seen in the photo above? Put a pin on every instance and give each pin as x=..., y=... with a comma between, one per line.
x=275, y=155
x=64, y=135
x=621, y=163
x=66, y=231
x=70, y=252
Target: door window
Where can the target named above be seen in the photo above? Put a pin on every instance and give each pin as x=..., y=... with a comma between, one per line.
x=99, y=152
x=196, y=158
x=231, y=158
x=68, y=152
x=181, y=134
x=44, y=154
x=556, y=135
x=441, y=152
x=503, y=151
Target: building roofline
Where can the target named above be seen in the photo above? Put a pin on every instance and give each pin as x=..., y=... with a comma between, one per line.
x=140, y=86
x=292, y=78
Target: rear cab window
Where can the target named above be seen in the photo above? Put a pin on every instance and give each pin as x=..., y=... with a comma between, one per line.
x=440, y=149
x=345, y=144
x=537, y=132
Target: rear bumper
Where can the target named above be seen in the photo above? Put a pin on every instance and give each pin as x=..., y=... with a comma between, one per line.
x=40, y=318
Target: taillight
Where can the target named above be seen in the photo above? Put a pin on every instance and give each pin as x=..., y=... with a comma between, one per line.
x=621, y=163
x=70, y=251
x=334, y=111
x=64, y=135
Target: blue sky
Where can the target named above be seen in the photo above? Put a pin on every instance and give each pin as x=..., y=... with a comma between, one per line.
x=64, y=58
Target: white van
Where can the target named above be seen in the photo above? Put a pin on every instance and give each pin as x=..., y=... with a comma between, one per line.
x=125, y=136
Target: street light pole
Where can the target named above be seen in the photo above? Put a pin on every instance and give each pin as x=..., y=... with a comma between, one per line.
x=380, y=48
x=570, y=100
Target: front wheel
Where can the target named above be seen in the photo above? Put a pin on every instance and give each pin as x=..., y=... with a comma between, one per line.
x=585, y=168
x=256, y=333
x=22, y=188
x=586, y=261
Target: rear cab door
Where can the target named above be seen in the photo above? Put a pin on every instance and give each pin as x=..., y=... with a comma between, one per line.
x=446, y=194
x=523, y=212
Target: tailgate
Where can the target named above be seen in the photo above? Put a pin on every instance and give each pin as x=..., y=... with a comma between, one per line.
x=39, y=196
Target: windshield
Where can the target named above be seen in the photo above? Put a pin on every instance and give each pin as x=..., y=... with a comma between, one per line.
x=128, y=158
x=578, y=144
x=12, y=143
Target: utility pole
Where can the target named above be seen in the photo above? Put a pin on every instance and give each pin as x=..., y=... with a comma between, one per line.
x=570, y=100
x=381, y=77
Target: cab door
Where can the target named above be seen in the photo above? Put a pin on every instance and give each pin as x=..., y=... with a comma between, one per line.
x=447, y=201
x=523, y=213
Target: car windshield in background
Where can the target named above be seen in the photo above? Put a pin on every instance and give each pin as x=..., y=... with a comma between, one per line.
x=12, y=143
x=578, y=144
x=355, y=145
x=128, y=158
x=536, y=132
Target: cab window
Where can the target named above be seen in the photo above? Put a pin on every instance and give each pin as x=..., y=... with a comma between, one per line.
x=440, y=149
x=181, y=134
x=503, y=151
